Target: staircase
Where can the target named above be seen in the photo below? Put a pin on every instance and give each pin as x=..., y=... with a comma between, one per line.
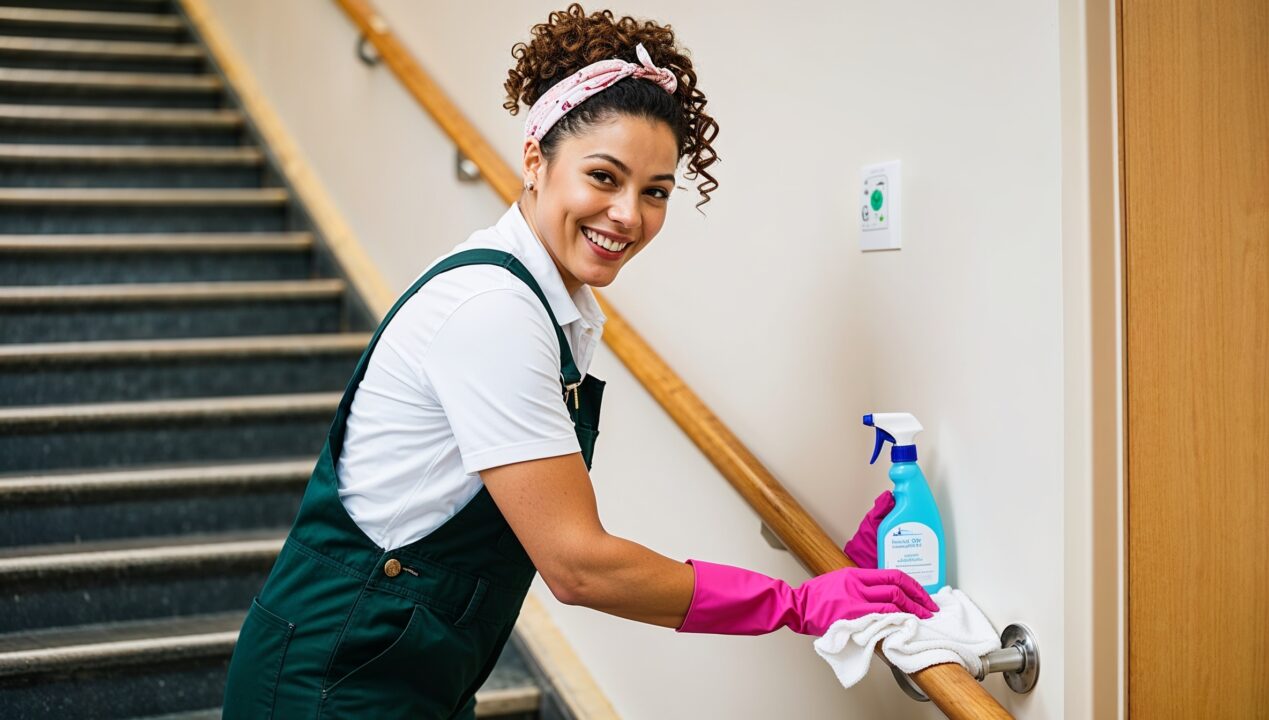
x=173, y=343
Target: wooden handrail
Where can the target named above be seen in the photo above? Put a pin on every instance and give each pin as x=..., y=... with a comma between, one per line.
x=949, y=686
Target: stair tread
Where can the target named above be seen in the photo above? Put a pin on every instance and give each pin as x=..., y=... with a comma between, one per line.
x=139, y=549
x=163, y=349
x=154, y=154
x=109, y=79
x=141, y=21
x=27, y=560
x=169, y=410
x=208, y=714
x=122, y=116
x=146, y=196
x=122, y=643
x=156, y=242
x=219, y=554
x=153, y=480
x=113, y=49
x=117, y=632
x=490, y=703
x=170, y=292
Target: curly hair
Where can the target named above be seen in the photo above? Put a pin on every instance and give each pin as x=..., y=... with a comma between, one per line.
x=570, y=40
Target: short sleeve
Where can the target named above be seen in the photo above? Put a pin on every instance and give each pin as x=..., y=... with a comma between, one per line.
x=494, y=364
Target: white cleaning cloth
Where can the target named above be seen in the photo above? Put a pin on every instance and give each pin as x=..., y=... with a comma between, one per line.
x=958, y=632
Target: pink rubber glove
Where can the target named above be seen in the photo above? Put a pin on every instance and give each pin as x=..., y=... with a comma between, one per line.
x=862, y=549
x=729, y=600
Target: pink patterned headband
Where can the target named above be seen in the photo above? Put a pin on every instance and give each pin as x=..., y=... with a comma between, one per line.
x=572, y=90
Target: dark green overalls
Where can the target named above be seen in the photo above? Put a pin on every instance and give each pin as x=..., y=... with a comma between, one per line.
x=345, y=629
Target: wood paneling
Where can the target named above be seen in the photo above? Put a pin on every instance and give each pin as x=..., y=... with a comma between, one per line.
x=1195, y=166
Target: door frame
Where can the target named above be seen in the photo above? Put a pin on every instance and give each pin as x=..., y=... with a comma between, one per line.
x=1095, y=538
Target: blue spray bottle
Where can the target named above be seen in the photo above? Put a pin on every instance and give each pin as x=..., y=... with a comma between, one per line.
x=911, y=537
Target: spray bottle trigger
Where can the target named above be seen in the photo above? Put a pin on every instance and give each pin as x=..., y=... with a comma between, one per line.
x=882, y=438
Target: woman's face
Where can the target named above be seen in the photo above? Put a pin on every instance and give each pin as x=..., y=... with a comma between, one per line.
x=612, y=181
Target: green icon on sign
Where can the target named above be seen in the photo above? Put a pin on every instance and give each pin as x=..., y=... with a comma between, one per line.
x=876, y=199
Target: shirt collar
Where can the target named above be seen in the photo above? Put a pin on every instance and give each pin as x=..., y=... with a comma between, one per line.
x=515, y=230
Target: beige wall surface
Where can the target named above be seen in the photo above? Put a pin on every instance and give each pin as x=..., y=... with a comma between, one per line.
x=768, y=309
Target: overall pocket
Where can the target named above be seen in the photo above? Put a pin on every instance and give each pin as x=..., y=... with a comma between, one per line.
x=392, y=662
x=256, y=664
x=420, y=674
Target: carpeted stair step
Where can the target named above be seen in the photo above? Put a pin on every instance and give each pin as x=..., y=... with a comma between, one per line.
x=122, y=166
x=94, y=259
x=133, y=578
x=170, y=670
x=106, y=371
x=97, y=55
x=159, y=26
x=522, y=702
x=114, y=435
x=123, y=210
x=76, y=87
x=173, y=310
x=175, y=500
x=121, y=126
x=117, y=670
x=130, y=6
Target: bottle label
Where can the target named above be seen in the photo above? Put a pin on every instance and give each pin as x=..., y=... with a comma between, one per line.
x=913, y=548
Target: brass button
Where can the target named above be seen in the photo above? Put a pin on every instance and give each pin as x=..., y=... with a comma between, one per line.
x=392, y=568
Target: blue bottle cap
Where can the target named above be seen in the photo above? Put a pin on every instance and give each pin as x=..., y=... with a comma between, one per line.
x=903, y=453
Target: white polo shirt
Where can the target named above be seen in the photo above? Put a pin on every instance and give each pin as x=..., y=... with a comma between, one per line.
x=466, y=377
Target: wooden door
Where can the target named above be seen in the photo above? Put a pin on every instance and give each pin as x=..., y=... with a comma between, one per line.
x=1194, y=124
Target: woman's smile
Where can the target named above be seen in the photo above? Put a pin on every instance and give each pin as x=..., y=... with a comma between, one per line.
x=604, y=244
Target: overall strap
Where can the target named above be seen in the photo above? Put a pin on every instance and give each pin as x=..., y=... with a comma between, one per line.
x=481, y=256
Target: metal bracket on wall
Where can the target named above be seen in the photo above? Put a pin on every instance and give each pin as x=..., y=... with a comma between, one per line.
x=1018, y=660
x=770, y=537
x=466, y=170
x=367, y=52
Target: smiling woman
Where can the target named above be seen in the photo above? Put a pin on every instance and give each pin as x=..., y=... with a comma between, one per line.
x=457, y=467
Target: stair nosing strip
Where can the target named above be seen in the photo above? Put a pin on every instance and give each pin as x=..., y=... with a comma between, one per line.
x=132, y=197
x=157, y=22
x=136, y=652
x=150, y=482
x=182, y=409
x=164, y=349
x=296, y=242
x=151, y=117
x=105, y=49
x=132, y=154
x=506, y=701
x=129, y=293
x=144, y=82
x=48, y=566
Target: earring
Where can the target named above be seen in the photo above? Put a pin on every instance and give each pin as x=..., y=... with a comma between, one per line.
x=528, y=185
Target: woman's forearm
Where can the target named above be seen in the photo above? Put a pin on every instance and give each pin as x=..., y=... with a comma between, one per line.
x=626, y=579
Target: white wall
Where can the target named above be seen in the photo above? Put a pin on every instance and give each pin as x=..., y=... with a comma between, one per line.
x=768, y=310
